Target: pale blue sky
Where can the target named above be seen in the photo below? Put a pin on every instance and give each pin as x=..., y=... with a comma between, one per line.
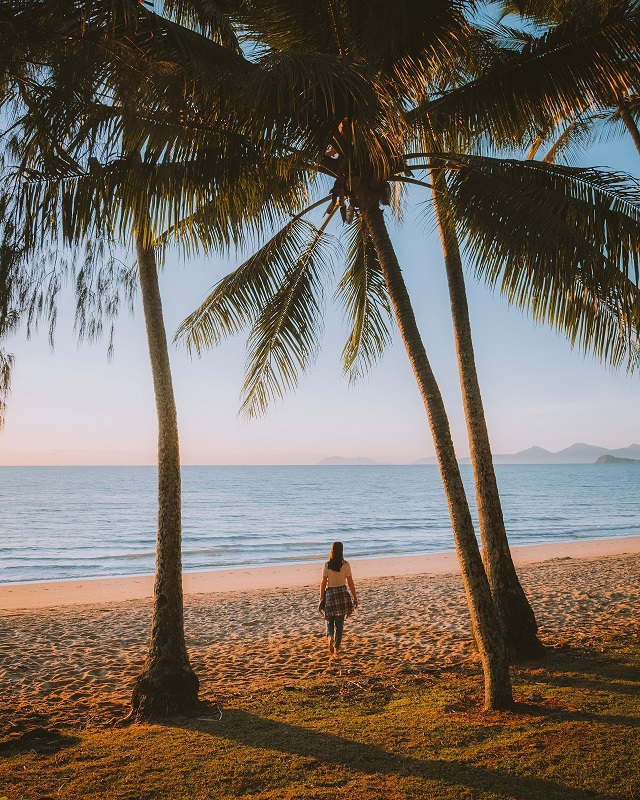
x=71, y=406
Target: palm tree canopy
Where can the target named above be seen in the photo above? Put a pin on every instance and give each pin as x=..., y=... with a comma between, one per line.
x=611, y=113
x=531, y=81
x=572, y=263
x=217, y=145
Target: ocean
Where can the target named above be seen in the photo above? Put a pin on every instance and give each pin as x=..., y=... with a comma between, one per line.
x=88, y=522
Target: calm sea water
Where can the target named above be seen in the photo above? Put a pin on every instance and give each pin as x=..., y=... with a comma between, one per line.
x=71, y=522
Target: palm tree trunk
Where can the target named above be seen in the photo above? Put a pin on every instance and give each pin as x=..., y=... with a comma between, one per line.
x=514, y=611
x=629, y=123
x=167, y=684
x=484, y=620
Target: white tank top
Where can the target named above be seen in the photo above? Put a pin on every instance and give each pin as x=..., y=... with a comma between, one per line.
x=336, y=578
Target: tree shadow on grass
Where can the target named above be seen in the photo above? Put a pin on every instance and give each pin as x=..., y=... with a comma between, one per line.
x=45, y=741
x=30, y=730
x=578, y=682
x=586, y=669
x=606, y=666
x=565, y=715
x=253, y=731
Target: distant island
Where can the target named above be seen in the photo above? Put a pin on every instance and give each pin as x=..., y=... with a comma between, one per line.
x=578, y=453
x=341, y=461
x=615, y=460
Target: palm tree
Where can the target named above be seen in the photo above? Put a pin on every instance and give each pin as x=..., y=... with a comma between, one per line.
x=346, y=104
x=516, y=615
x=611, y=38
x=94, y=161
x=484, y=618
x=123, y=138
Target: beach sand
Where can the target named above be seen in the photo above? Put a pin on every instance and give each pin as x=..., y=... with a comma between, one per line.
x=70, y=651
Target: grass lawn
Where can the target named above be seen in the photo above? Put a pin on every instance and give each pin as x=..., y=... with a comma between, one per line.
x=573, y=735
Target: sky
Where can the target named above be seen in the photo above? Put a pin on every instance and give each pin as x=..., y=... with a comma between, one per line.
x=72, y=406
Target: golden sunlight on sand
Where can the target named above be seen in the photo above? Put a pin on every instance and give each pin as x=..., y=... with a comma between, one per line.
x=251, y=628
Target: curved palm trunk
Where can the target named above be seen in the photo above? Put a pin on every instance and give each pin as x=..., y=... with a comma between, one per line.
x=485, y=624
x=514, y=611
x=629, y=123
x=167, y=684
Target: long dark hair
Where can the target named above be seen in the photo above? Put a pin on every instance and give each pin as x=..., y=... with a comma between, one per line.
x=336, y=558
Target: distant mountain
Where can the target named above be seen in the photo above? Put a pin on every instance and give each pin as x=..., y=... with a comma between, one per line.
x=578, y=453
x=350, y=462
x=532, y=455
x=575, y=454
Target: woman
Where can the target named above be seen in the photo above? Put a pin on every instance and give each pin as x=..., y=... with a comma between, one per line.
x=335, y=600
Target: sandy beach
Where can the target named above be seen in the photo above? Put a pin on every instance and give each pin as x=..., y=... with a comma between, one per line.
x=69, y=651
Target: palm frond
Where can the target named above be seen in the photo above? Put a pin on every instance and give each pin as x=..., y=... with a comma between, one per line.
x=377, y=31
x=6, y=366
x=560, y=242
x=9, y=312
x=207, y=17
x=540, y=12
x=362, y=291
x=285, y=338
x=579, y=135
x=103, y=283
x=586, y=60
x=239, y=298
x=29, y=284
x=206, y=203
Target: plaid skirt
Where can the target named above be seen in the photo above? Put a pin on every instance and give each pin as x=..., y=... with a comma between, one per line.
x=337, y=602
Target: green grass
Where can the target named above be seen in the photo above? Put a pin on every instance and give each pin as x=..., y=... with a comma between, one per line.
x=419, y=737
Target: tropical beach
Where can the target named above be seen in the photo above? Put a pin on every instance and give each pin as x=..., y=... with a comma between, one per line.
x=72, y=650
x=70, y=653
x=368, y=178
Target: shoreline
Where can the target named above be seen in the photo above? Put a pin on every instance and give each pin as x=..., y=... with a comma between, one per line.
x=89, y=591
